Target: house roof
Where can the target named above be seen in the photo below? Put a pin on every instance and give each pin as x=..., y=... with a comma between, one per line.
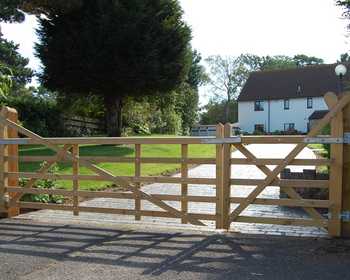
x=309, y=81
x=318, y=115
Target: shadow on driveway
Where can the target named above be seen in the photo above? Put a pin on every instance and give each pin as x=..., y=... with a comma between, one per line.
x=41, y=251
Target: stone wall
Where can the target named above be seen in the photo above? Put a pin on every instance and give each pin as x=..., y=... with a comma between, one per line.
x=307, y=174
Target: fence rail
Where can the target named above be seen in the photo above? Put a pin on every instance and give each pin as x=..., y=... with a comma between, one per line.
x=228, y=209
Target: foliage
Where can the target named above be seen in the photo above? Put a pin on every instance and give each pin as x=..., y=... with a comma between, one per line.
x=115, y=49
x=214, y=112
x=14, y=10
x=5, y=81
x=37, y=114
x=227, y=77
x=11, y=60
x=43, y=184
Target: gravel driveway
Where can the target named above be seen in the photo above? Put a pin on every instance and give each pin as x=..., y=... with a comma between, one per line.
x=204, y=171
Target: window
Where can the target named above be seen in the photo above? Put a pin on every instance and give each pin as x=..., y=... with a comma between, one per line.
x=286, y=104
x=289, y=126
x=259, y=128
x=309, y=103
x=259, y=105
x=298, y=88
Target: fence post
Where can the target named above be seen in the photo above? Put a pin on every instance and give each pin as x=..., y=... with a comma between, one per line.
x=336, y=176
x=75, y=151
x=223, y=177
x=219, y=177
x=227, y=177
x=138, y=185
x=9, y=165
x=346, y=172
x=184, y=187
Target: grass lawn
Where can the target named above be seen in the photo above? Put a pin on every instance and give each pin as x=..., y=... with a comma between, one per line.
x=121, y=169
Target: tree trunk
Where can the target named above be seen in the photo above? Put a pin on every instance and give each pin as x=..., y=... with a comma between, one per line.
x=114, y=105
x=227, y=111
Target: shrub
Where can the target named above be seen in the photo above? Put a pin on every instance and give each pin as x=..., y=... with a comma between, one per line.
x=43, y=184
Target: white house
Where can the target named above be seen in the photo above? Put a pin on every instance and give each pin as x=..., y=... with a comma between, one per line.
x=284, y=100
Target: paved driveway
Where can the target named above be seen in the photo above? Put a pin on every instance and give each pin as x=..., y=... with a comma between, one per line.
x=30, y=250
x=205, y=171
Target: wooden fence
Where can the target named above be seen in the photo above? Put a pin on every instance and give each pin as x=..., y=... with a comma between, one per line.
x=67, y=150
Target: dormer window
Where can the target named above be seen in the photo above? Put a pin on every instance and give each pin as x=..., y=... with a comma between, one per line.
x=298, y=88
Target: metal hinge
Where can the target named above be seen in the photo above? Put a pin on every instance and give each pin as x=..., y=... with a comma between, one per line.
x=16, y=141
x=230, y=140
x=328, y=140
x=344, y=216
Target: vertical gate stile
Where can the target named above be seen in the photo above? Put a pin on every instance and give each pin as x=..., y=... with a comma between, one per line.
x=3, y=165
x=336, y=177
x=10, y=151
x=184, y=187
x=138, y=185
x=219, y=177
x=346, y=173
x=75, y=151
x=227, y=177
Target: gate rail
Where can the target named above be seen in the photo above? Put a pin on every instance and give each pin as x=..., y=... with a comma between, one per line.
x=67, y=150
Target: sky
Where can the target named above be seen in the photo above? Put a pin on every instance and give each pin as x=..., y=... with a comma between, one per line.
x=232, y=27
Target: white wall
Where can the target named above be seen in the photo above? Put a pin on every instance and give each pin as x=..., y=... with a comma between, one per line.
x=297, y=114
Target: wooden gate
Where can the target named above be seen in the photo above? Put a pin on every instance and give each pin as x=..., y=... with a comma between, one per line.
x=67, y=150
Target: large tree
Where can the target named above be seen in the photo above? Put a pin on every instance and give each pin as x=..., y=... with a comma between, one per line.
x=227, y=76
x=14, y=10
x=11, y=59
x=114, y=49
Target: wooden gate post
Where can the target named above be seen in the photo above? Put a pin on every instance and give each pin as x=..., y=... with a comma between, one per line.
x=219, y=177
x=227, y=178
x=346, y=173
x=223, y=178
x=6, y=152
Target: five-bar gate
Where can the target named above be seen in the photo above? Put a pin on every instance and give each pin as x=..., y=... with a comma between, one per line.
x=228, y=209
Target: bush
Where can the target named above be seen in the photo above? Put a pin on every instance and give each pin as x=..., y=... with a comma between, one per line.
x=43, y=184
x=37, y=114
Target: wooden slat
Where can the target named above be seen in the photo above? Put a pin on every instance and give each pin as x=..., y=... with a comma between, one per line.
x=161, y=214
x=282, y=221
x=101, y=194
x=99, y=159
x=75, y=152
x=118, y=141
x=219, y=178
x=150, y=179
x=137, y=185
x=283, y=183
x=314, y=203
x=266, y=161
x=184, y=187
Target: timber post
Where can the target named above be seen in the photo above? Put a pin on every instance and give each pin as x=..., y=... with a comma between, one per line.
x=219, y=178
x=8, y=161
x=346, y=173
x=227, y=178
